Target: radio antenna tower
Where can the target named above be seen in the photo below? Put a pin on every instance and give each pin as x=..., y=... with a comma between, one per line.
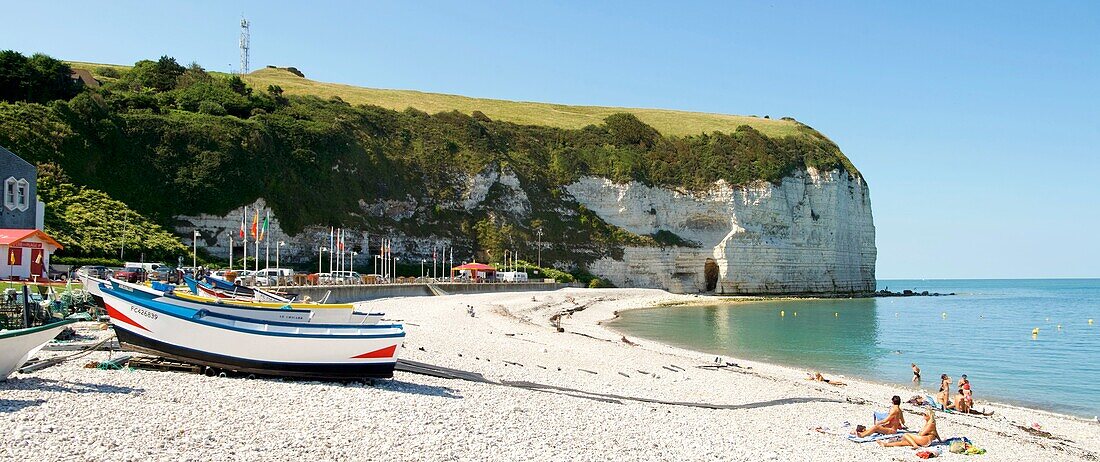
x=244, y=46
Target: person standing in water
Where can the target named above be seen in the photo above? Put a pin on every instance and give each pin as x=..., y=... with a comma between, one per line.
x=916, y=374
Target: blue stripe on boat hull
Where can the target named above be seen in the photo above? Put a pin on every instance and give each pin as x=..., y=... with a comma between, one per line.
x=142, y=344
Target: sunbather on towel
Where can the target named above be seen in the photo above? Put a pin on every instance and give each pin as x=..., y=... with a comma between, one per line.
x=817, y=377
x=927, y=435
x=894, y=421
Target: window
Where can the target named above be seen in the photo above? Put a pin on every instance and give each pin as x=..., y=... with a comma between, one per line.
x=17, y=194
x=9, y=193
x=22, y=194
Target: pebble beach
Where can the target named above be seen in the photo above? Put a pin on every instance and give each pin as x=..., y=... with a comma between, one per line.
x=586, y=393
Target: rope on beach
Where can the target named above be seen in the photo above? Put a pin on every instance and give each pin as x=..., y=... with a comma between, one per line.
x=60, y=359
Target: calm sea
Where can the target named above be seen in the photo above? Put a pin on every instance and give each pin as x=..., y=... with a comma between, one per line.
x=985, y=331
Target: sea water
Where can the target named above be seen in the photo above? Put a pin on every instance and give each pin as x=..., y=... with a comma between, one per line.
x=985, y=331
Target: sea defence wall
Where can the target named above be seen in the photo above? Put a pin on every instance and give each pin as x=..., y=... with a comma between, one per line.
x=363, y=292
x=811, y=234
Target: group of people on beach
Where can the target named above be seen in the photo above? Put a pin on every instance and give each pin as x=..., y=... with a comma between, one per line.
x=894, y=421
x=962, y=401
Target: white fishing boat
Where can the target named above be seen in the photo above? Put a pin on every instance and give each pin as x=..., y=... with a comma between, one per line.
x=19, y=345
x=308, y=350
x=262, y=311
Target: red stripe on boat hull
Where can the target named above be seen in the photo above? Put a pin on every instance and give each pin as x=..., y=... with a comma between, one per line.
x=386, y=352
x=117, y=315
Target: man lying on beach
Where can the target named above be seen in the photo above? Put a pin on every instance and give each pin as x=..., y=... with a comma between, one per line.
x=927, y=435
x=894, y=421
x=817, y=377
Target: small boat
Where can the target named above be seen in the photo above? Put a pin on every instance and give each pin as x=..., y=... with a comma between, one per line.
x=343, y=314
x=19, y=345
x=316, y=351
x=221, y=288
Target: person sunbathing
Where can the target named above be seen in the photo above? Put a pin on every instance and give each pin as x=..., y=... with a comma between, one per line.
x=894, y=421
x=927, y=435
x=817, y=377
x=960, y=404
x=941, y=397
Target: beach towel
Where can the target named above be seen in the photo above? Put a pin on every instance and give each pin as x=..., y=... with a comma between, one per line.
x=929, y=453
x=931, y=402
x=877, y=437
x=949, y=441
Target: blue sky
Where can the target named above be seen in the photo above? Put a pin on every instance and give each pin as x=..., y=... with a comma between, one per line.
x=976, y=124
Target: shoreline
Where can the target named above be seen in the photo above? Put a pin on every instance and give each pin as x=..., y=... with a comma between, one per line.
x=582, y=394
x=849, y=377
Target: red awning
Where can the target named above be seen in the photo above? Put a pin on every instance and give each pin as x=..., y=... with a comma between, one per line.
x=474, y=267
x=11, y=236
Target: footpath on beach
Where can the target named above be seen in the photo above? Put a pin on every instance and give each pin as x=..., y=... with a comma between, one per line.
x=557, y=385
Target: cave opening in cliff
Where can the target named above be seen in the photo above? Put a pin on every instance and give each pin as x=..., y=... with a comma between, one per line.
x=710, y=273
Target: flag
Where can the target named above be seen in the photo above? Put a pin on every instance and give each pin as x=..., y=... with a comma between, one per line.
x=263, y=230
x=341, y=239
x=11, y=257
x=245, y=212
x=256, y=224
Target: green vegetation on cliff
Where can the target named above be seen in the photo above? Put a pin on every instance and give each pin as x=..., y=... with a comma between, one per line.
x=170, y=140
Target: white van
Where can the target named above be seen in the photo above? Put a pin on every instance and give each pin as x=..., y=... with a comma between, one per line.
x=148, y=267
x=512, y=276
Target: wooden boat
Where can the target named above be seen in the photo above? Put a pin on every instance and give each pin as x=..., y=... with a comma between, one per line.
x=221, y=288
x=284, y=312
x=19, y=345
x=319, y=351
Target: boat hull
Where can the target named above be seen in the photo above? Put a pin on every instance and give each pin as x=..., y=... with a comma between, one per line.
x=248, y=345
x=146, y=345
x=18, y=346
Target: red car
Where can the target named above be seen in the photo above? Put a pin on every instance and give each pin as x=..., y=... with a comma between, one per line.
x=131, y=274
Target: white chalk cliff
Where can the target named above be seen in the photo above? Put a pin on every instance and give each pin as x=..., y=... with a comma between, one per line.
x=813, y=233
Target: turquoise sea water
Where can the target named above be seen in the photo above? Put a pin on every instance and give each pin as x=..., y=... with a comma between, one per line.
x=985, y=332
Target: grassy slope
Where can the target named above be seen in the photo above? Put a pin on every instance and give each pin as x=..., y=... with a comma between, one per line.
x=668, y=122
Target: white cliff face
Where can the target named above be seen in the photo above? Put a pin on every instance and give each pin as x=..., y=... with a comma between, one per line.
x=813, y=233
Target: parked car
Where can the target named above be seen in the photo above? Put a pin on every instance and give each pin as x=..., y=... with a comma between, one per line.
x=167, y=274
x=131, y=274
x=272, y=276
x=346, y=277
x=100, y=272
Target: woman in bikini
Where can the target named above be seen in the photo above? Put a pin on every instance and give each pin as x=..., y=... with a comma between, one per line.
x=916, y=374
x=927, y=435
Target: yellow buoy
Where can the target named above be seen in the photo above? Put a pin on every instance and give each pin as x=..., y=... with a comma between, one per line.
x=836, y=315
x=944, y=314
x=796, y=313
x=1035, y=331
x=782, y=313
x=1090, y=322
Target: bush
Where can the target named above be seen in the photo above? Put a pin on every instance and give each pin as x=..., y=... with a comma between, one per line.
x=211, y=107
x=108, y=72
x=597, y=283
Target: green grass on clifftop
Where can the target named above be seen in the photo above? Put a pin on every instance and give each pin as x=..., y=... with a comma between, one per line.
x=667, y=122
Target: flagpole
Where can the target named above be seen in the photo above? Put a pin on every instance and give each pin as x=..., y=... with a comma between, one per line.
x=267, y=242
x=230, y=253
x=244, y=238
x=331, y=241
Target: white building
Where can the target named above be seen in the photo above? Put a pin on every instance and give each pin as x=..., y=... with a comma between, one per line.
x=26, y=253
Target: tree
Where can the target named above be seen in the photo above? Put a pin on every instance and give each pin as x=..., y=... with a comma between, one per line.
x=38, y=79
x=159, y=75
